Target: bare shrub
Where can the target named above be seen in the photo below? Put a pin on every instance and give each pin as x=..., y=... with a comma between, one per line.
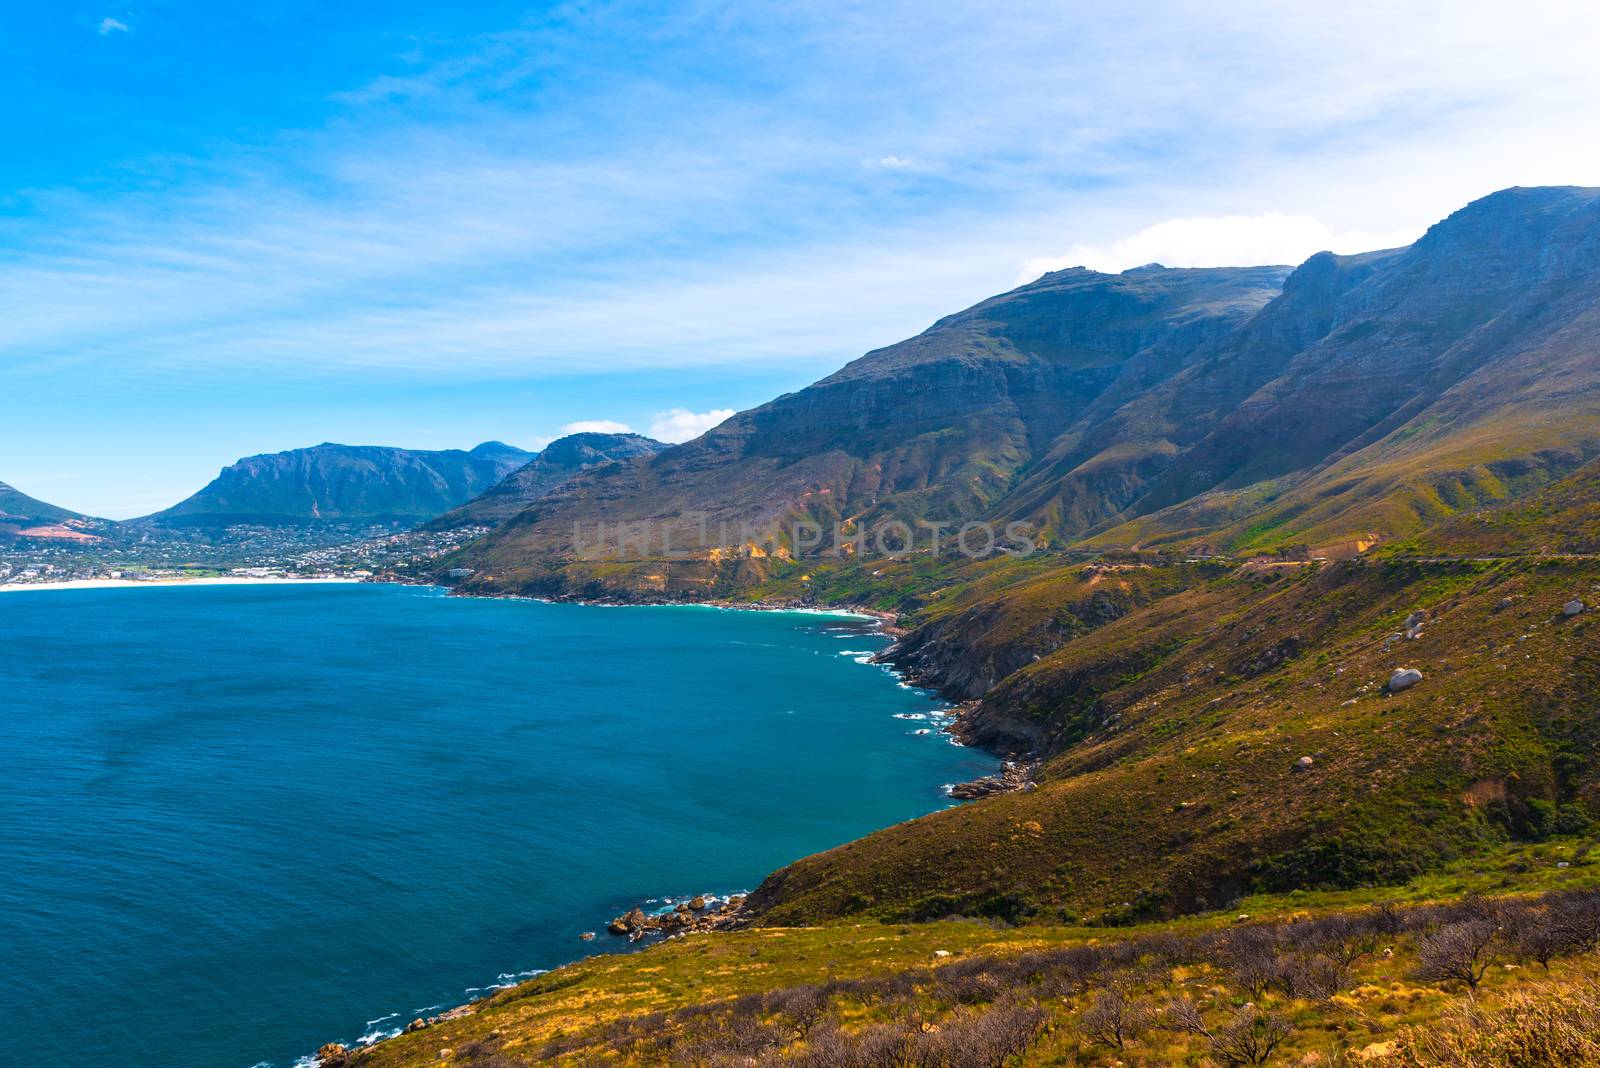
x=1250, y=1037
x=1252, y=960
x=800, y=1007
x=1184, y=1016
x=1346, y=938
x=1308, y=975
x=1113, y=1020
x=988, y=1040
x=1458, y=952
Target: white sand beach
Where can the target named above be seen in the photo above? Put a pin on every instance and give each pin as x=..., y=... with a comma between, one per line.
x=114, y=584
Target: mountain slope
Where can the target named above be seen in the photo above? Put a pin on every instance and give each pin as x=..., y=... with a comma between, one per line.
x=552, y=468
x=1463, y=369
x=1171, y=725
x=17, y=507
x=1373, y=394
x=345, y=483
x=938, y=427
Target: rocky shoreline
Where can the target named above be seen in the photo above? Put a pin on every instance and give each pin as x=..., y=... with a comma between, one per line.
x=1013, y=776
x=699, y=913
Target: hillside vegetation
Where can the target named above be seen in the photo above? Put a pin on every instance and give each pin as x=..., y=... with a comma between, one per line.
x=1306, y=979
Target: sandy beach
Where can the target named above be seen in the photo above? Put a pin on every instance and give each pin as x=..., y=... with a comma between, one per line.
x=113, y=584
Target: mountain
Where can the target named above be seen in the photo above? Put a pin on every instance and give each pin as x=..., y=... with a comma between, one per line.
x=17, y=507
x=940, y=426
x=1354, y=397
x=345, y=483
x=1387, y=390
x=552, y=468
x=20, y=512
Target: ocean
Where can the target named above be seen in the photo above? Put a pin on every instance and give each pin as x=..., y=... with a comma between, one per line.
x=237, y=822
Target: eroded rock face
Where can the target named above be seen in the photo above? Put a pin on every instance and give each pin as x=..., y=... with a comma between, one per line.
x=1403, y=679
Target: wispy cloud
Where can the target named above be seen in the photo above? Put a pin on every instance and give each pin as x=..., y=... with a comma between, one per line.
x=555, y=203
x=609, y=189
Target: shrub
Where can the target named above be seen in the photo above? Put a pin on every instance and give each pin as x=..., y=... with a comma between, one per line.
x=1250, y=1037
x=1113, y=1020
x=1458, y=952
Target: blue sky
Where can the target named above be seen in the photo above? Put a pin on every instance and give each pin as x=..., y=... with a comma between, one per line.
x=236, y=229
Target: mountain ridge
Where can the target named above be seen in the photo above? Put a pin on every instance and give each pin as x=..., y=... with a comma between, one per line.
x=332, y=482
x=555, y=465
x=1155, y=407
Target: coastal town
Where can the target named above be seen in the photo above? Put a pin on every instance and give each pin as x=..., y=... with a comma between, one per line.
x=242, y=553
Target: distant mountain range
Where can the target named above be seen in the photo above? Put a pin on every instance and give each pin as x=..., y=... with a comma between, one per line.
x=345, y=483
x=548, y=471
x=1249, y=407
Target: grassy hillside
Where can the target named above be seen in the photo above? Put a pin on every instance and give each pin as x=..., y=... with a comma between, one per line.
x=1325, y=976
x=1172, y=735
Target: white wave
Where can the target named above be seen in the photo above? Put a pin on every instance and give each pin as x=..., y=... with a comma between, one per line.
x=529, y=974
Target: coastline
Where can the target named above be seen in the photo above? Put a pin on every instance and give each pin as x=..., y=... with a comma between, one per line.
x=125, y=584
x=888, y=622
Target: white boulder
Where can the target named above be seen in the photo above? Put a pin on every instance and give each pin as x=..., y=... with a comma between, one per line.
x=1403, y=679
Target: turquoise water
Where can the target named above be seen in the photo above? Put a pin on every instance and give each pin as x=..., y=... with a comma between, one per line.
x=237, y=822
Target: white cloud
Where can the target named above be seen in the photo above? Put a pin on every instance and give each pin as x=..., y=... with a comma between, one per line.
x=596, y=426
x=891, y=163
x=1220, y=241
x=109, y=25
x=680, y=424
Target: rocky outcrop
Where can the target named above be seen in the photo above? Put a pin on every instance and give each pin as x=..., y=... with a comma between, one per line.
x=1015, y=775
x=333, y=1055
x=697, y=914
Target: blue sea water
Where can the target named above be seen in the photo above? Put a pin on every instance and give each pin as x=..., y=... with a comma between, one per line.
x=237, y=822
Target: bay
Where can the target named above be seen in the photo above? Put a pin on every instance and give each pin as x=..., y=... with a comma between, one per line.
x=237, y=822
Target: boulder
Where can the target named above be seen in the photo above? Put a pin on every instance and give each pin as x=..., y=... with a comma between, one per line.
x=333, y=1055
x=1572, y=608
x=416, y=1025
x=1304, y=764
x=1403, y=679
x=587, y=936
x=698, y=904
x=632, y=923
